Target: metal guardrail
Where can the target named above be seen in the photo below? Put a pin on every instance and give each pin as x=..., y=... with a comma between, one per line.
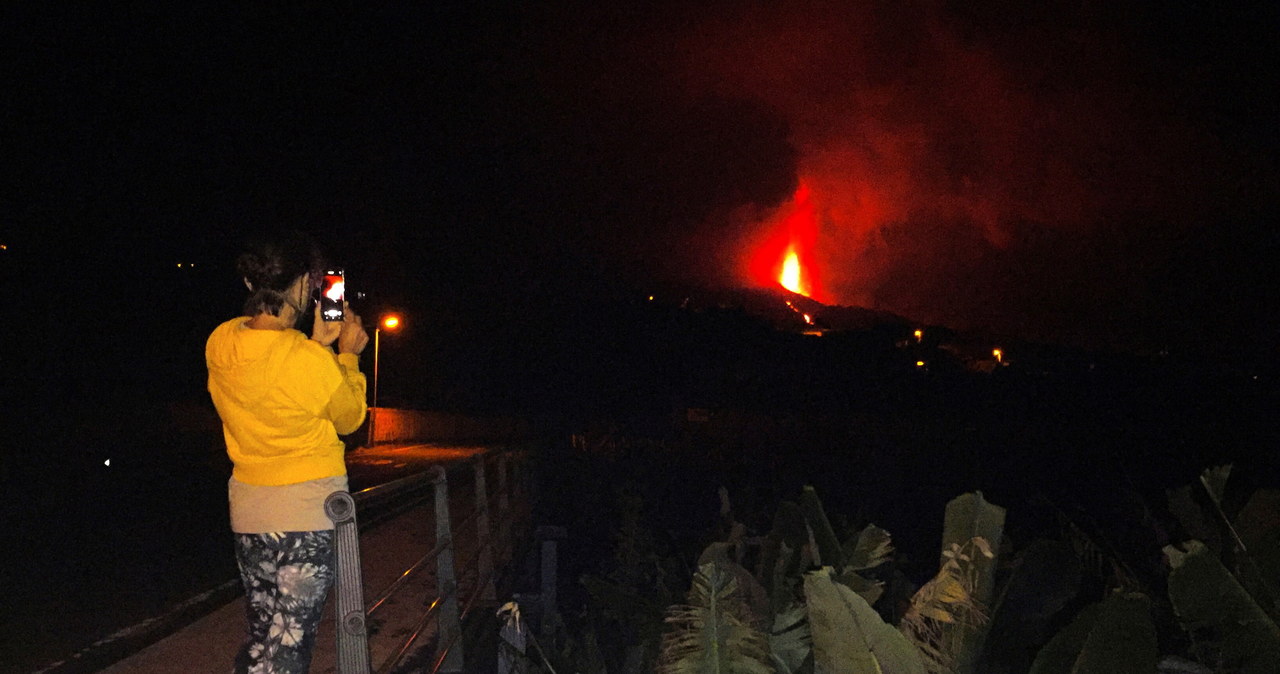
x=352, y=612
x=353, y=647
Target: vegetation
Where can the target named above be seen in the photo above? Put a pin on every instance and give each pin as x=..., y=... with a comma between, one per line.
x=799, y=592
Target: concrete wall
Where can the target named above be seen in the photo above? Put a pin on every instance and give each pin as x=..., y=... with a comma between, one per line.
x=396, y=425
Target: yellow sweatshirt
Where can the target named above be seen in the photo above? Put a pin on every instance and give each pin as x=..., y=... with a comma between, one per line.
x=283, y=400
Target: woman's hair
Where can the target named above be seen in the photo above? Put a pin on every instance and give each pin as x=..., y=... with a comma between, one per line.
x=271, y=263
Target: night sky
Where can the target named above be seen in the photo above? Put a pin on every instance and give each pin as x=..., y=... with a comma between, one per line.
x=1098, y=174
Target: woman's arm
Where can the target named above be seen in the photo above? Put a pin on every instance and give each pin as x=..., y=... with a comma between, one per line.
x=346, y=407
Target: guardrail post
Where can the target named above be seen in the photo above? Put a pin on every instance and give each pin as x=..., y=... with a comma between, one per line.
x=450, y=628
x=550, y=616
x=504, y=503
x=353, y=642
x=484, y=558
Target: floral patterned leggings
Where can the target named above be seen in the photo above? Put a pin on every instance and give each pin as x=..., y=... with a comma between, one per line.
x=286, y=577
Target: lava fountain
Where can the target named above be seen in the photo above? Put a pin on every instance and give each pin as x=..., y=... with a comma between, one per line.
x=787, y=256
x=791, y=277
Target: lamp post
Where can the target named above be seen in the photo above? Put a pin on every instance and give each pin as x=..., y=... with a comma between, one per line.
x=389, y=322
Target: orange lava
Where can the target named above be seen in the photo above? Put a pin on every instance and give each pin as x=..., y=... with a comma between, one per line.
x=787, y=257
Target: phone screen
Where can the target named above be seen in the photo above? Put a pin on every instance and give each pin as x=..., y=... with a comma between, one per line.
x=333, y=290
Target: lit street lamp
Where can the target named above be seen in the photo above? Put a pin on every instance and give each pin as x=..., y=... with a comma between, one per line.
x=389, y=322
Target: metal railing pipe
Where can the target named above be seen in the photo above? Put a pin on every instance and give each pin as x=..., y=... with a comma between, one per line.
x=408, y=573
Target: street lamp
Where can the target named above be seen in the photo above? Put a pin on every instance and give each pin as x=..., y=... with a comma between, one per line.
x=389, y=322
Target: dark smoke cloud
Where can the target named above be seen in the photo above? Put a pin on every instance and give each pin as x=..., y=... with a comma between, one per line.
x=1039, y=170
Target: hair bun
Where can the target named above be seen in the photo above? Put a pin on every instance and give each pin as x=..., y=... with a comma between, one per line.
x=272, y=263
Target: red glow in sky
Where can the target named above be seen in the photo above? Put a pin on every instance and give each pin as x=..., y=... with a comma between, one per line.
x=788, y=255
x=959, y=170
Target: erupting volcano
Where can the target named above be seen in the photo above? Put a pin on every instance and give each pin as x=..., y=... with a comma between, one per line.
x=787, y=256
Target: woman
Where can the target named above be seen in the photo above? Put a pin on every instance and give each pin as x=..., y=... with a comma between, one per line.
x=284, y=398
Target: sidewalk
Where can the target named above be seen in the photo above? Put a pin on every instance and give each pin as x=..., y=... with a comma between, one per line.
x=210, y=643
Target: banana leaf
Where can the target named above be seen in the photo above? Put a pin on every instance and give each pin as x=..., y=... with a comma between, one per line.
x=755, y=599
x=849, y=637
x=872, y=547
x=828, y=545
x=790, y=642
x=1215, y=481
x=711, y=634
x=1046, y=576
x=1213, y=605
x=970, y=516
x=1192, y=517
x=1123, y=641
x=789, y=532
x=870, y=590
x=1059, y=655
x=1254, y=535
x=1258, y=525
x=780, y=560
x=1114, y=636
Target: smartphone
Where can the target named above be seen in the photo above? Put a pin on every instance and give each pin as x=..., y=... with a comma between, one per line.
x=333, y=291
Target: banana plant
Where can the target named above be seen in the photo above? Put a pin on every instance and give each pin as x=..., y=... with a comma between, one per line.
x=713, y=632
x=869, y=548
x=791, y=641
x=1114, y=636
x=1249, y=543
x=945, y=610
x=970, y=519
x=829, y=551
x=782, y=557
x=849, y=637
x=802, y=537
x=1219, y=613
x=1046, y=577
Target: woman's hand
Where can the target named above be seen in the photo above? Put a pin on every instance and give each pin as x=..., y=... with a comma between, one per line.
x=352, y=337
x=325, y=332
